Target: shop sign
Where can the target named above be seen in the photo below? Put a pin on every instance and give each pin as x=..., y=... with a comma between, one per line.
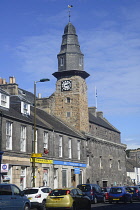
x=4, y=168
x=76, y=170
x=38, y=160
x=57, y=162
x=6, y=177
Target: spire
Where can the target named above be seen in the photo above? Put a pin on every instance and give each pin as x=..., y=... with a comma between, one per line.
x=70, y=57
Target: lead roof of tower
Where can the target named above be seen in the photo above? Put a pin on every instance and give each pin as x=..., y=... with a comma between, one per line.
x=69, y=29
x=70, y=40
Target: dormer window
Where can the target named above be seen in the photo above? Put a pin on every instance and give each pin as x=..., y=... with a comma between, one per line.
x=25, y=108
x=4, y=100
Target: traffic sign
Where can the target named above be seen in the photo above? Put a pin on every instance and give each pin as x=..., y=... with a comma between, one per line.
x=36, y=155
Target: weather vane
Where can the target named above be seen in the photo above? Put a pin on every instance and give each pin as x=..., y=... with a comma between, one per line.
x=70, y=6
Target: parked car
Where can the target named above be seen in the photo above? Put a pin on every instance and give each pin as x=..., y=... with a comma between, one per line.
x=135, y=191
x=93, y=191
x=106, y=190
x=11, y=197
x=37, y=196
x=118, y=194
x=68, y=198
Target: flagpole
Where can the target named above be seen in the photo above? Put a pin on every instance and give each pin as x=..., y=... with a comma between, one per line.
x=96, y=98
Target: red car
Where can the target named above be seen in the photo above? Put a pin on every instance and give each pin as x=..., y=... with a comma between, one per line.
x=106, y=190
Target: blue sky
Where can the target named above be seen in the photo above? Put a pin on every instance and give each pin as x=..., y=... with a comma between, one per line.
x=109, y=36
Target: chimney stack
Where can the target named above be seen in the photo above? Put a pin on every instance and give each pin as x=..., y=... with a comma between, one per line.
x=92, y=110
x=12, y=80
x=100, y=114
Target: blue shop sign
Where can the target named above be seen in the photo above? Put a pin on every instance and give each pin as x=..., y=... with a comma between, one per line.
x=76, y=170
x=57, y=162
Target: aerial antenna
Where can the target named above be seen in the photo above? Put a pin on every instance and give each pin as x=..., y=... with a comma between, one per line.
x=70, y=6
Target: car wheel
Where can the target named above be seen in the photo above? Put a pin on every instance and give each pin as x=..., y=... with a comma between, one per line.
x=89, y=206
x=104, y=199
x=43, y=205
x=74, y=207
x=125, y=200
x=95, y=200
x=26, y=207
x=131, y=200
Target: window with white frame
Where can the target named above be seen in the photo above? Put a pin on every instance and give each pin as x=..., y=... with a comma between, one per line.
x=9, y=135
x=69, y=147
x=78, y=149
x=23, y=138
x=4, y=100
x=25, y=108
x=45, y=139
x=60, y=146
x=34, y=144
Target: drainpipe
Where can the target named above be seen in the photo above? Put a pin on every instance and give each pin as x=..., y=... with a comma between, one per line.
x=1, y=153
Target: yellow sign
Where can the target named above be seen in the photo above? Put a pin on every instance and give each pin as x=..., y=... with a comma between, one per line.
x=37, y=160
x=36, y=155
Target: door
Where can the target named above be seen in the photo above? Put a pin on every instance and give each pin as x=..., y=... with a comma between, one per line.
x=55, y=178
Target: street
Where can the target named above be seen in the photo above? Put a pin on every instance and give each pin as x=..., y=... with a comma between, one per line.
x=106, y=206
x=119, y=206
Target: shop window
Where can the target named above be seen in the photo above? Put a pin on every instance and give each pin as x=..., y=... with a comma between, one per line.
x=64, y=178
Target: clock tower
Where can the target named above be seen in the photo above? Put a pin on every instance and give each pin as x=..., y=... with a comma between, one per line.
x=70, y=97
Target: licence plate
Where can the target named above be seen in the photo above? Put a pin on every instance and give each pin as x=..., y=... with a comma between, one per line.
x=115, y=199
x=30, y=198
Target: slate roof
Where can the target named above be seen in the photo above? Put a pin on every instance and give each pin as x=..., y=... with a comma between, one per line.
x=27, y=95
x=43, y=119
x=4, y=92
x=131, y=164
x=101, y=122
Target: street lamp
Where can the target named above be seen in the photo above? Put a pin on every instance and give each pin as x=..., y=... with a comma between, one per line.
x=34, y=142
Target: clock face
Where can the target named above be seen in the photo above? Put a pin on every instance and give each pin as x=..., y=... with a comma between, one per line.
x=66, y=85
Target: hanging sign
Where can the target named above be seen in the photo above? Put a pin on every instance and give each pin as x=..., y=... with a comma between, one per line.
x=4, y=168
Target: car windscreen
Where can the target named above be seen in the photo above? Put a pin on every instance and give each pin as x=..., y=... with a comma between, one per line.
x=115, y=190
x=5, y=190
x=58, y=192
x=45, y=190
x=84, y=188
x=30, y=191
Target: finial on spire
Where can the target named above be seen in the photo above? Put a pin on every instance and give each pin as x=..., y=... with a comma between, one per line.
x=70, y=6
